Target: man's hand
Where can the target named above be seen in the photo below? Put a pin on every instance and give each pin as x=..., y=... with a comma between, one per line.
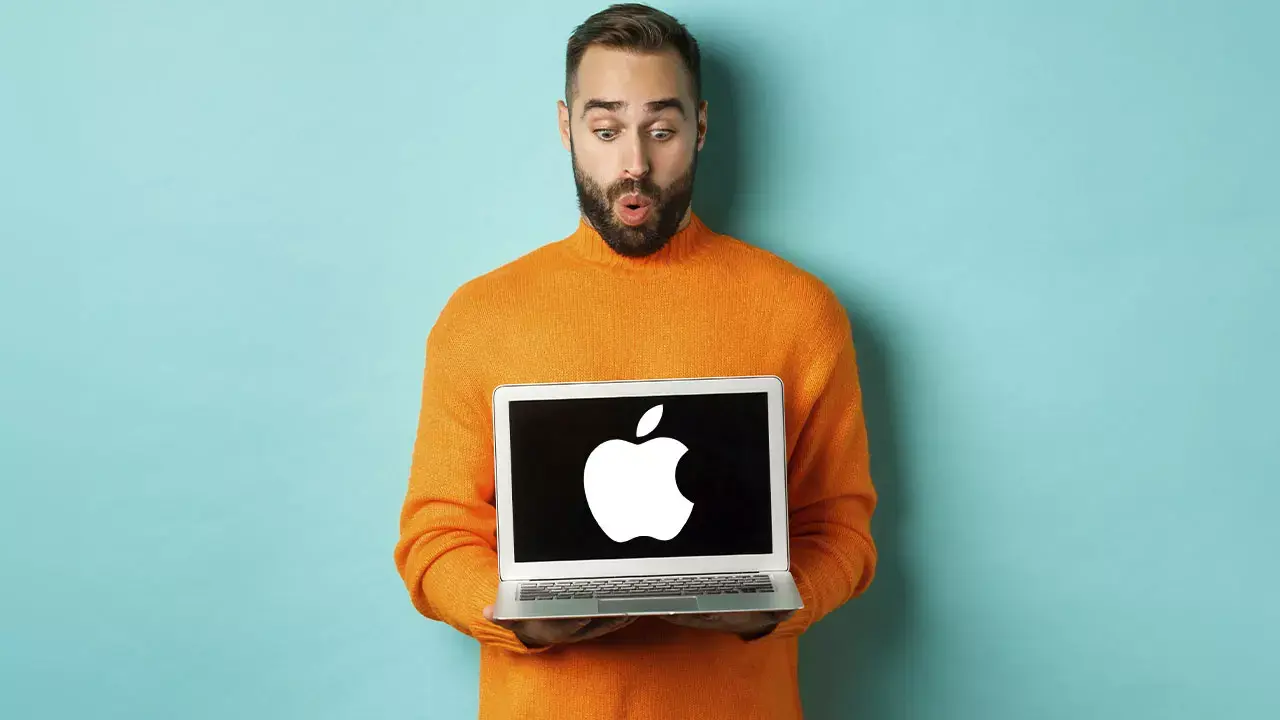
x=748, y=625
x=543, y=633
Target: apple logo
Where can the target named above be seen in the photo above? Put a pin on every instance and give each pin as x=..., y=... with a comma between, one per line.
x=631, y=489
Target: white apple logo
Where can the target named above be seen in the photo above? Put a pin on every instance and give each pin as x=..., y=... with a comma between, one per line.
x=631, y=489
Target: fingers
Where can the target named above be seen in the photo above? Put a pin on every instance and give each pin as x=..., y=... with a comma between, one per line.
x=559, y=631
x=579, y=629
x=603, y=626
x=570, y=630
x=731, y=622
x=701, y=621
x=617, y=621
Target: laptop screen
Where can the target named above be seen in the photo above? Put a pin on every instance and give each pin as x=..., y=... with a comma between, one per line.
x=640, y=477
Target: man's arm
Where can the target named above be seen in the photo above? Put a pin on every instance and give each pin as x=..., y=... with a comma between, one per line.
x=447, y=552
x=829, y=490
x=831, y=496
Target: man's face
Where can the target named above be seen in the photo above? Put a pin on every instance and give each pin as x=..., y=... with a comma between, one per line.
x=634, y=136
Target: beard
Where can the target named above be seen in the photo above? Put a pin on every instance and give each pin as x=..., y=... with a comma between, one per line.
x=669, y=205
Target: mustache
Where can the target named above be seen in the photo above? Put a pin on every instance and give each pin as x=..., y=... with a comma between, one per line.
x=644, y=187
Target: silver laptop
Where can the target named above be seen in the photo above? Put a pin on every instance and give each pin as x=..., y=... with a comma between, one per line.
x=644, y=497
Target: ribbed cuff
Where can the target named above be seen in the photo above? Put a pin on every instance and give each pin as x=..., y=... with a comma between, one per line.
x=459, y=586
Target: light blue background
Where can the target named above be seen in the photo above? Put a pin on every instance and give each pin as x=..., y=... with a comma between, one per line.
x=227, y=228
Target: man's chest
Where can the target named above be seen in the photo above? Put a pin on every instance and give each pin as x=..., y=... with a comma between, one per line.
x=629, y=338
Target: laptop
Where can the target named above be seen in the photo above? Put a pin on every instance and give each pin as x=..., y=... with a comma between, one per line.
x=645, y=497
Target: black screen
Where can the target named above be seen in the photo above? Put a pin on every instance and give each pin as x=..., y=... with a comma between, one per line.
x=724, y=473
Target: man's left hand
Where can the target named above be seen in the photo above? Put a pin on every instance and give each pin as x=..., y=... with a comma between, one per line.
x=749, y=625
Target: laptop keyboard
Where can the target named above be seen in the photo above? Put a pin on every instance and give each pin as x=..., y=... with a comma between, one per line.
x=646, y=587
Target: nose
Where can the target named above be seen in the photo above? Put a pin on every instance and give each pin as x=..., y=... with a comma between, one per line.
x=637, y=160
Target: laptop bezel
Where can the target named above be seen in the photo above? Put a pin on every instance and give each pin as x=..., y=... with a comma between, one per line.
x=776, y=561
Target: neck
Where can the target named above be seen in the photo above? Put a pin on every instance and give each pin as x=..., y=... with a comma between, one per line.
x=691, y=234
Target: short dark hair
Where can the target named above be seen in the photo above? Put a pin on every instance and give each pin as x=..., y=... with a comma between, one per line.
x=635, y=27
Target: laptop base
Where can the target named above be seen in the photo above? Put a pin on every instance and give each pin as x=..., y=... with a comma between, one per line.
x=509, y=606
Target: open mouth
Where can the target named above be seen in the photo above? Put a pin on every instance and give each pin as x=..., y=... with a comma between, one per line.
x=634, y=209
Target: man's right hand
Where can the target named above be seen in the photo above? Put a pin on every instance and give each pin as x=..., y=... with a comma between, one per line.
x=543, y=633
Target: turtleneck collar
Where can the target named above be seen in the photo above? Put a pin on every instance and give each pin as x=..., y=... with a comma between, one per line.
x=587, y=244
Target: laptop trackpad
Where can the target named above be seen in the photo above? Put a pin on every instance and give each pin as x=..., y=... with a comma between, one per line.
x=641, y=605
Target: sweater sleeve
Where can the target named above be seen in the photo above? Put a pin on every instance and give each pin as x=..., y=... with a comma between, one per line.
x=447, y=551
x=830, y=493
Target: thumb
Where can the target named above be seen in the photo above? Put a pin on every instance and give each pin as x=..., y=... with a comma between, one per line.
x=488, y=615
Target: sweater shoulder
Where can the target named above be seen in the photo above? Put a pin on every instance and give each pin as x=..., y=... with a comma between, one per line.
x=817, y=305
x=500, y=281
x=473, y=307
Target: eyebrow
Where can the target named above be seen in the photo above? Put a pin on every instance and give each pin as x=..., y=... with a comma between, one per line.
x=655, y=106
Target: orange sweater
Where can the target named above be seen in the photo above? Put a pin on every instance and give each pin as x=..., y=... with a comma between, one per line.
x=704, y=305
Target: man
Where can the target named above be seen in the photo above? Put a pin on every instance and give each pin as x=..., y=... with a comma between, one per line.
x=641, y=289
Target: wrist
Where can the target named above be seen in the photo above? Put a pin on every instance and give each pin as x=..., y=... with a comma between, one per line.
x=750, y=635
x=531, y=643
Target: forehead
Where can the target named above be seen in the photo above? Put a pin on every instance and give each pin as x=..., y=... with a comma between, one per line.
x=630, y=76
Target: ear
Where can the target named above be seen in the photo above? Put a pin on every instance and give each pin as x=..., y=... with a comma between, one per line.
x=702, y=124
x=563, y=111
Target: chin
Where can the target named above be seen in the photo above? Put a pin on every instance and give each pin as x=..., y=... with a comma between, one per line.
x=636, y=230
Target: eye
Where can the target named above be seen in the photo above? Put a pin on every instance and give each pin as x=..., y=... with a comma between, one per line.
x=605, y=134
x=663, y=134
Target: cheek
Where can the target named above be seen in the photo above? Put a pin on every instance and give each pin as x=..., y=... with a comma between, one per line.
x=593, y=167
x=600, y=162
x=672, y=161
